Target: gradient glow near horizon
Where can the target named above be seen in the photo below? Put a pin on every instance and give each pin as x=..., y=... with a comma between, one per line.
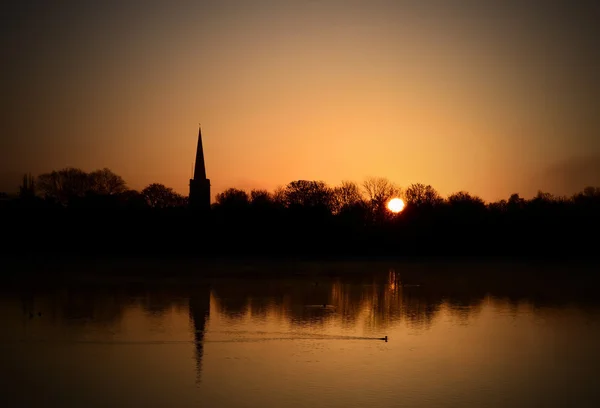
x=489, y=97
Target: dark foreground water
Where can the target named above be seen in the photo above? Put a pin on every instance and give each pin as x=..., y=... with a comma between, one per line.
x=454, y=340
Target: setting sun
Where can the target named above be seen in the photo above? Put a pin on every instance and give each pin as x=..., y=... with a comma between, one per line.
x=395, y=205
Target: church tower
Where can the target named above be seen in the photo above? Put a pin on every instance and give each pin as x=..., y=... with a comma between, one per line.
x=200, y=185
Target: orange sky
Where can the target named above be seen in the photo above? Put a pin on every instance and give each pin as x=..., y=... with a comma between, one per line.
x=490, y=98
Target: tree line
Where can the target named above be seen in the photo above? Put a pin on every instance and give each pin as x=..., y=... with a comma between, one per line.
x=302, y=217
x=72, y=187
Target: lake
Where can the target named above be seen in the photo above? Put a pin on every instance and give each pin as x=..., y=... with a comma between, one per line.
x=481, y=335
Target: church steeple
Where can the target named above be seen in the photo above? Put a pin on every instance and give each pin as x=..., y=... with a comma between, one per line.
x=199, y=185
x=199, y=168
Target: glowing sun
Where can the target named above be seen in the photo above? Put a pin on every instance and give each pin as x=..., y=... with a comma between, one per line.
x=395, y=205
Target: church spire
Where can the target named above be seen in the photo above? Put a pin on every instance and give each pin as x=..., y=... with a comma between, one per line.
x=199, y=184
x=200, y=168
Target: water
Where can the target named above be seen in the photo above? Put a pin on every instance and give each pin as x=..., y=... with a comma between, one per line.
x=454, y=340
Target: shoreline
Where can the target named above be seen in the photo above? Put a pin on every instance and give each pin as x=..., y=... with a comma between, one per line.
x=44, y=268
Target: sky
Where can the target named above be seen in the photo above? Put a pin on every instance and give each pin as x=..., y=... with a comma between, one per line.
x=491, y=97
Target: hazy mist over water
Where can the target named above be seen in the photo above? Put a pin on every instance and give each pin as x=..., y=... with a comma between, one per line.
x=307, y=340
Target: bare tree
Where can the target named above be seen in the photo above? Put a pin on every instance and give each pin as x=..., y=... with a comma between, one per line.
x=64, y=184
x=345, y=195
x=106, y=182
x=420, y=195
x=379, y=190
x=279, y=196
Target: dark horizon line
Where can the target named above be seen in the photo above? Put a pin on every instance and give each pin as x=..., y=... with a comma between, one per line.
x=402, y=189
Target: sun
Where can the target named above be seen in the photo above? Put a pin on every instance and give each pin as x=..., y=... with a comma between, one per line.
x=395, y=205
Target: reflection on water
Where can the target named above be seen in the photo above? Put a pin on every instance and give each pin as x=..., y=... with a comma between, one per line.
x=453, y=341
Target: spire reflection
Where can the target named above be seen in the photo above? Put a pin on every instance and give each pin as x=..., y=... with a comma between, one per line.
x=199, y=309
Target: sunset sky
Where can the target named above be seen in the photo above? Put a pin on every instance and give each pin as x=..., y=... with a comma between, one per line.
x=492, y=97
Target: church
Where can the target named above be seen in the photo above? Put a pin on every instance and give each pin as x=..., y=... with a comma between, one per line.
x=199, y=185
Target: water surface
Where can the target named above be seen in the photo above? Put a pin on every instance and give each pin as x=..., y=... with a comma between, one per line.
x=298, y=341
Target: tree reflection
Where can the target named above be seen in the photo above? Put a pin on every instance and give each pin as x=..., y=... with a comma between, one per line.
x=412, y=296
x=375, y=304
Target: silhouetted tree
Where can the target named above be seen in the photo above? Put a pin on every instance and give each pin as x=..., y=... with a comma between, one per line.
x=64, y=185
x=420, y=195
x=345, y=196
x=542, y=201
x=515, y=203
x=591, y=192
x=498, y=206
x=464, y=207
x=72, y=185
x=588, y=195
x=304, y=193
x=544, y=197
x=279, y=196
x=462, y=199
x=233, y=199
x=264, y=201
x=106, y=182
x=159, y=196
x=260, y=198
x=379, y=191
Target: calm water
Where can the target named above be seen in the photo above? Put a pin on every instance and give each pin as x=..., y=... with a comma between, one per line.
x=308, y=341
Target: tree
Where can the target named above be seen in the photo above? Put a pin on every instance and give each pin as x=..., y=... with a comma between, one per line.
x=498, y=206
x=304, y=193
x=70, y=183
x=260, y=198
x=515, y=202
x=64, y=185
x=420, y=195
x=464, y=198
x=543, y=197
x=233, y=198
x=379, y=190
x=106, y=182
x=463, y=203
x=589, y=196
x=279, y=196
x=159, y=196
x=346, y=195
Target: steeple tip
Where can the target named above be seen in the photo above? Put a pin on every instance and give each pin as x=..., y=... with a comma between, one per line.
x=199, y=168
